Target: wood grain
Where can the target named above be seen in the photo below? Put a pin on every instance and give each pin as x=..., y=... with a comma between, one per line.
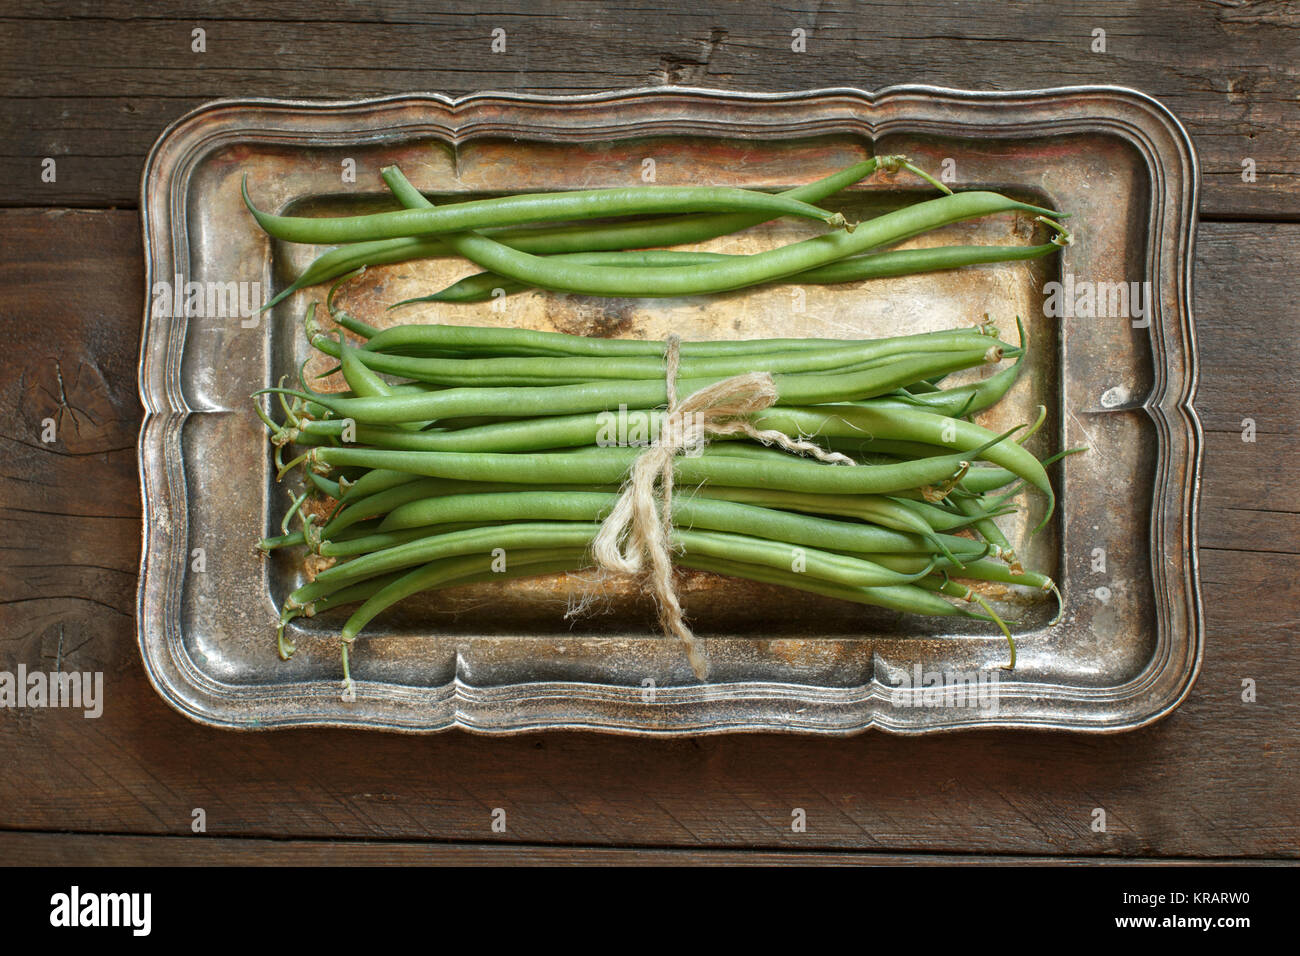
x=78, y=849
x=1218, y=778
x=93, y=84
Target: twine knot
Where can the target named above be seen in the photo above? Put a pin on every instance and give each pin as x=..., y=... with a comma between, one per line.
x=636, y=536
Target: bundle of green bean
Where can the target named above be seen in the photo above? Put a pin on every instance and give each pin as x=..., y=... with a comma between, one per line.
x=625, y=257
x=498, y=439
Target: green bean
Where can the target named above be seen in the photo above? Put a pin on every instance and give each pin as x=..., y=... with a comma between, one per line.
x=981, y=480
x=832, y=568
x=348, y=595
x=826, y=533
x=908, y=598
x=900, y=262
x=381, y=540
x=323, y=484
x=422, y=503
x=280, y=541
x=908, y=424
x=363, y=381
x=457, y=571
x=529, y=505
x=558, y=534
x=866, y=450
x=450, y=341
x=383, y=502
x=922, y=387
x=809, y=389
x=467, y=341
x=397, y=438
x=452, y=573
x=996, y=571
x=673, y=231
x=690, y=512
x=736, y=446
x=742, y=271
x=953, y=589
x=483, y=286
x=533, y=207
x=354, y=325
x=611, y=464
x=720, y=515
x=411, y=198
x=969, y=399
x=515, y=371
x=988, y=528
x=512, y=371
x=829, y=566
x=374, y=481
x=358, y=592
x=941, y=519
x=983, y=570
x=351, y=532
x=293, y=510
x=875, y=509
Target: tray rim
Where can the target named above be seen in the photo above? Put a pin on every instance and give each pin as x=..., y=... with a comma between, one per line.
x=185, y=687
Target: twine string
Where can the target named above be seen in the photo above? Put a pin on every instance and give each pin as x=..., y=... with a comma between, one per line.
x=636, y=536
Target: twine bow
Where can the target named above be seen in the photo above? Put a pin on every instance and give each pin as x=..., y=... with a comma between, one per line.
x=639, y=528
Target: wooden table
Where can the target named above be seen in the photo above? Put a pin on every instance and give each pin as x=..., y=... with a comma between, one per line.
x=92, y=84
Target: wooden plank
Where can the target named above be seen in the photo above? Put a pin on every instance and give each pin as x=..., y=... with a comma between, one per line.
x=92, y=84
x=1218, y=778
x=78, y=849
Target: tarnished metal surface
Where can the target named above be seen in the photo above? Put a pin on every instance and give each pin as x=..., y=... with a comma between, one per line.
x=502, y=657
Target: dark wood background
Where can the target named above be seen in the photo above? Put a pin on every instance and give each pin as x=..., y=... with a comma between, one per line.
x=93, y=83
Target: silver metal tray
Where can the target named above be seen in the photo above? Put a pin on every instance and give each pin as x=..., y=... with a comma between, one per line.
x=502, y=658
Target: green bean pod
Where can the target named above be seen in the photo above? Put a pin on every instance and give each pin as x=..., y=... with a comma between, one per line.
x=968, y=399
x=499, y=541
x=453, y=572
x=483, y=286
x=807, y=389
x=515, y=371
x=471, y=341
x=610, y=465
x=584, y=237
x=534, y=207
x=692, y=509
x=908, y=424
x=743, y=271
x=906, y=598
